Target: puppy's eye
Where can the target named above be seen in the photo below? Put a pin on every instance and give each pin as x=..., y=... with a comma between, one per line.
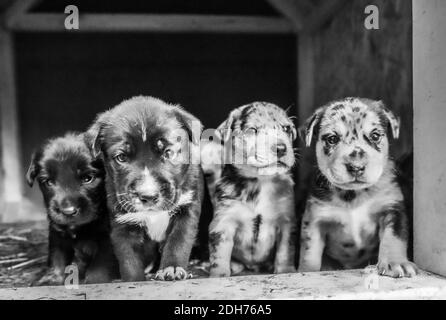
x=160, y=144
x=375, y=136
x=169, y=154
x=88, y=179
x=48, y=182
x=286, y=129
x=121, y=158
x=251, y=130
x=333, y=139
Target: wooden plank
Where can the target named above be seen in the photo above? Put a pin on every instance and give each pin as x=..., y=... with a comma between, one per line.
x=305, y=97
x=305, y=74
x=429, y=90
x=49, y=22
x=306, y=82
x=349, y=284
x=11, y=182
x=17, y=9
x=322, y=14
x=306, y=28
x=290, y=10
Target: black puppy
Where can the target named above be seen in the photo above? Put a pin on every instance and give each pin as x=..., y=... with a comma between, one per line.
x=154, y=184
x=72, y=184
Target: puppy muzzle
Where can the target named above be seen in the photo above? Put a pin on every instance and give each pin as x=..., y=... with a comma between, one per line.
x=149, y=193
x=270, y=155
x=355, y=170
x=68, y=206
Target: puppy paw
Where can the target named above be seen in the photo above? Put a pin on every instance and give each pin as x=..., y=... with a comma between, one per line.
x=50, y=279
x=218, y=272
x=237, y=267
x=172, y=273
x=397, y=269
x=284, y=269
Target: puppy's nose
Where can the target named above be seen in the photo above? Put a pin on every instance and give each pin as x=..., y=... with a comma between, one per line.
x=279, y=149
x=355, y=170
x=147, y=199
x=358, y=153
x=69, y=211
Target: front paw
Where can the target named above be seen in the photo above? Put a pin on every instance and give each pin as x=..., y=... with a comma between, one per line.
x=219, y=272
x=172, y=273
x=50, y=278
x=284, y=269
x=307, y=268
x=237, y=267
x=397, y=269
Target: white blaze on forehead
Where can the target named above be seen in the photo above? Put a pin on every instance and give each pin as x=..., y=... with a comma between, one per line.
x=143, y=131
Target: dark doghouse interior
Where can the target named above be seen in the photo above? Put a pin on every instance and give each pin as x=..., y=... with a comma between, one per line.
x=65, y=80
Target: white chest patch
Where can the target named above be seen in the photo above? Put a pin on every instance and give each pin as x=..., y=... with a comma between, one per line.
x=359, y=219
x=156, y=225
x=154, y=222
x=356, y=219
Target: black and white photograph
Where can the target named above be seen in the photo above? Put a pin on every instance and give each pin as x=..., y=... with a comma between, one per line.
x=239, y=151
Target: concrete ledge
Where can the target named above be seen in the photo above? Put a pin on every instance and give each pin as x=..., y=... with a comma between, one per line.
x=351, y=284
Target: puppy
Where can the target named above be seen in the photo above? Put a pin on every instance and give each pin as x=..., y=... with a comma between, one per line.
x=253, y=195
x=355, y=212
x=72, y=185
x=211, y=163
x=154, y=184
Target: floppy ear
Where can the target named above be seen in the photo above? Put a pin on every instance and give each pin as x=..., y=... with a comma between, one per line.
x=93, y=135
x=306, y=131
x=394, y=121
x=226, y=127
x=92, y=138
x=34, y=168
x=293, y=131
x=190, y=123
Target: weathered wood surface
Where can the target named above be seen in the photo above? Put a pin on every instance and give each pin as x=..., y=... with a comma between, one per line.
x=429, y=130
x=53, y=22
x=18, y=8
x=305, y=100
x=324, y=285
x=291, y=10
x=322, y=14
x=11, y=178
x=353, y=61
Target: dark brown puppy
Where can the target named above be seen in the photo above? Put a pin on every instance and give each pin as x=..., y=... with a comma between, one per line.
x=72, y=184
x=154, y=184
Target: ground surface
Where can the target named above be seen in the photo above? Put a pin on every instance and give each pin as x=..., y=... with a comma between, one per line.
x=23, y=252
x=352, y=284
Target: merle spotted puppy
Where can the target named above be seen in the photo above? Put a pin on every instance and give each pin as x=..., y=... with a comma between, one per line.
x=72, y=184
x=254, y=222
x=355, y=213
x=154, y=184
